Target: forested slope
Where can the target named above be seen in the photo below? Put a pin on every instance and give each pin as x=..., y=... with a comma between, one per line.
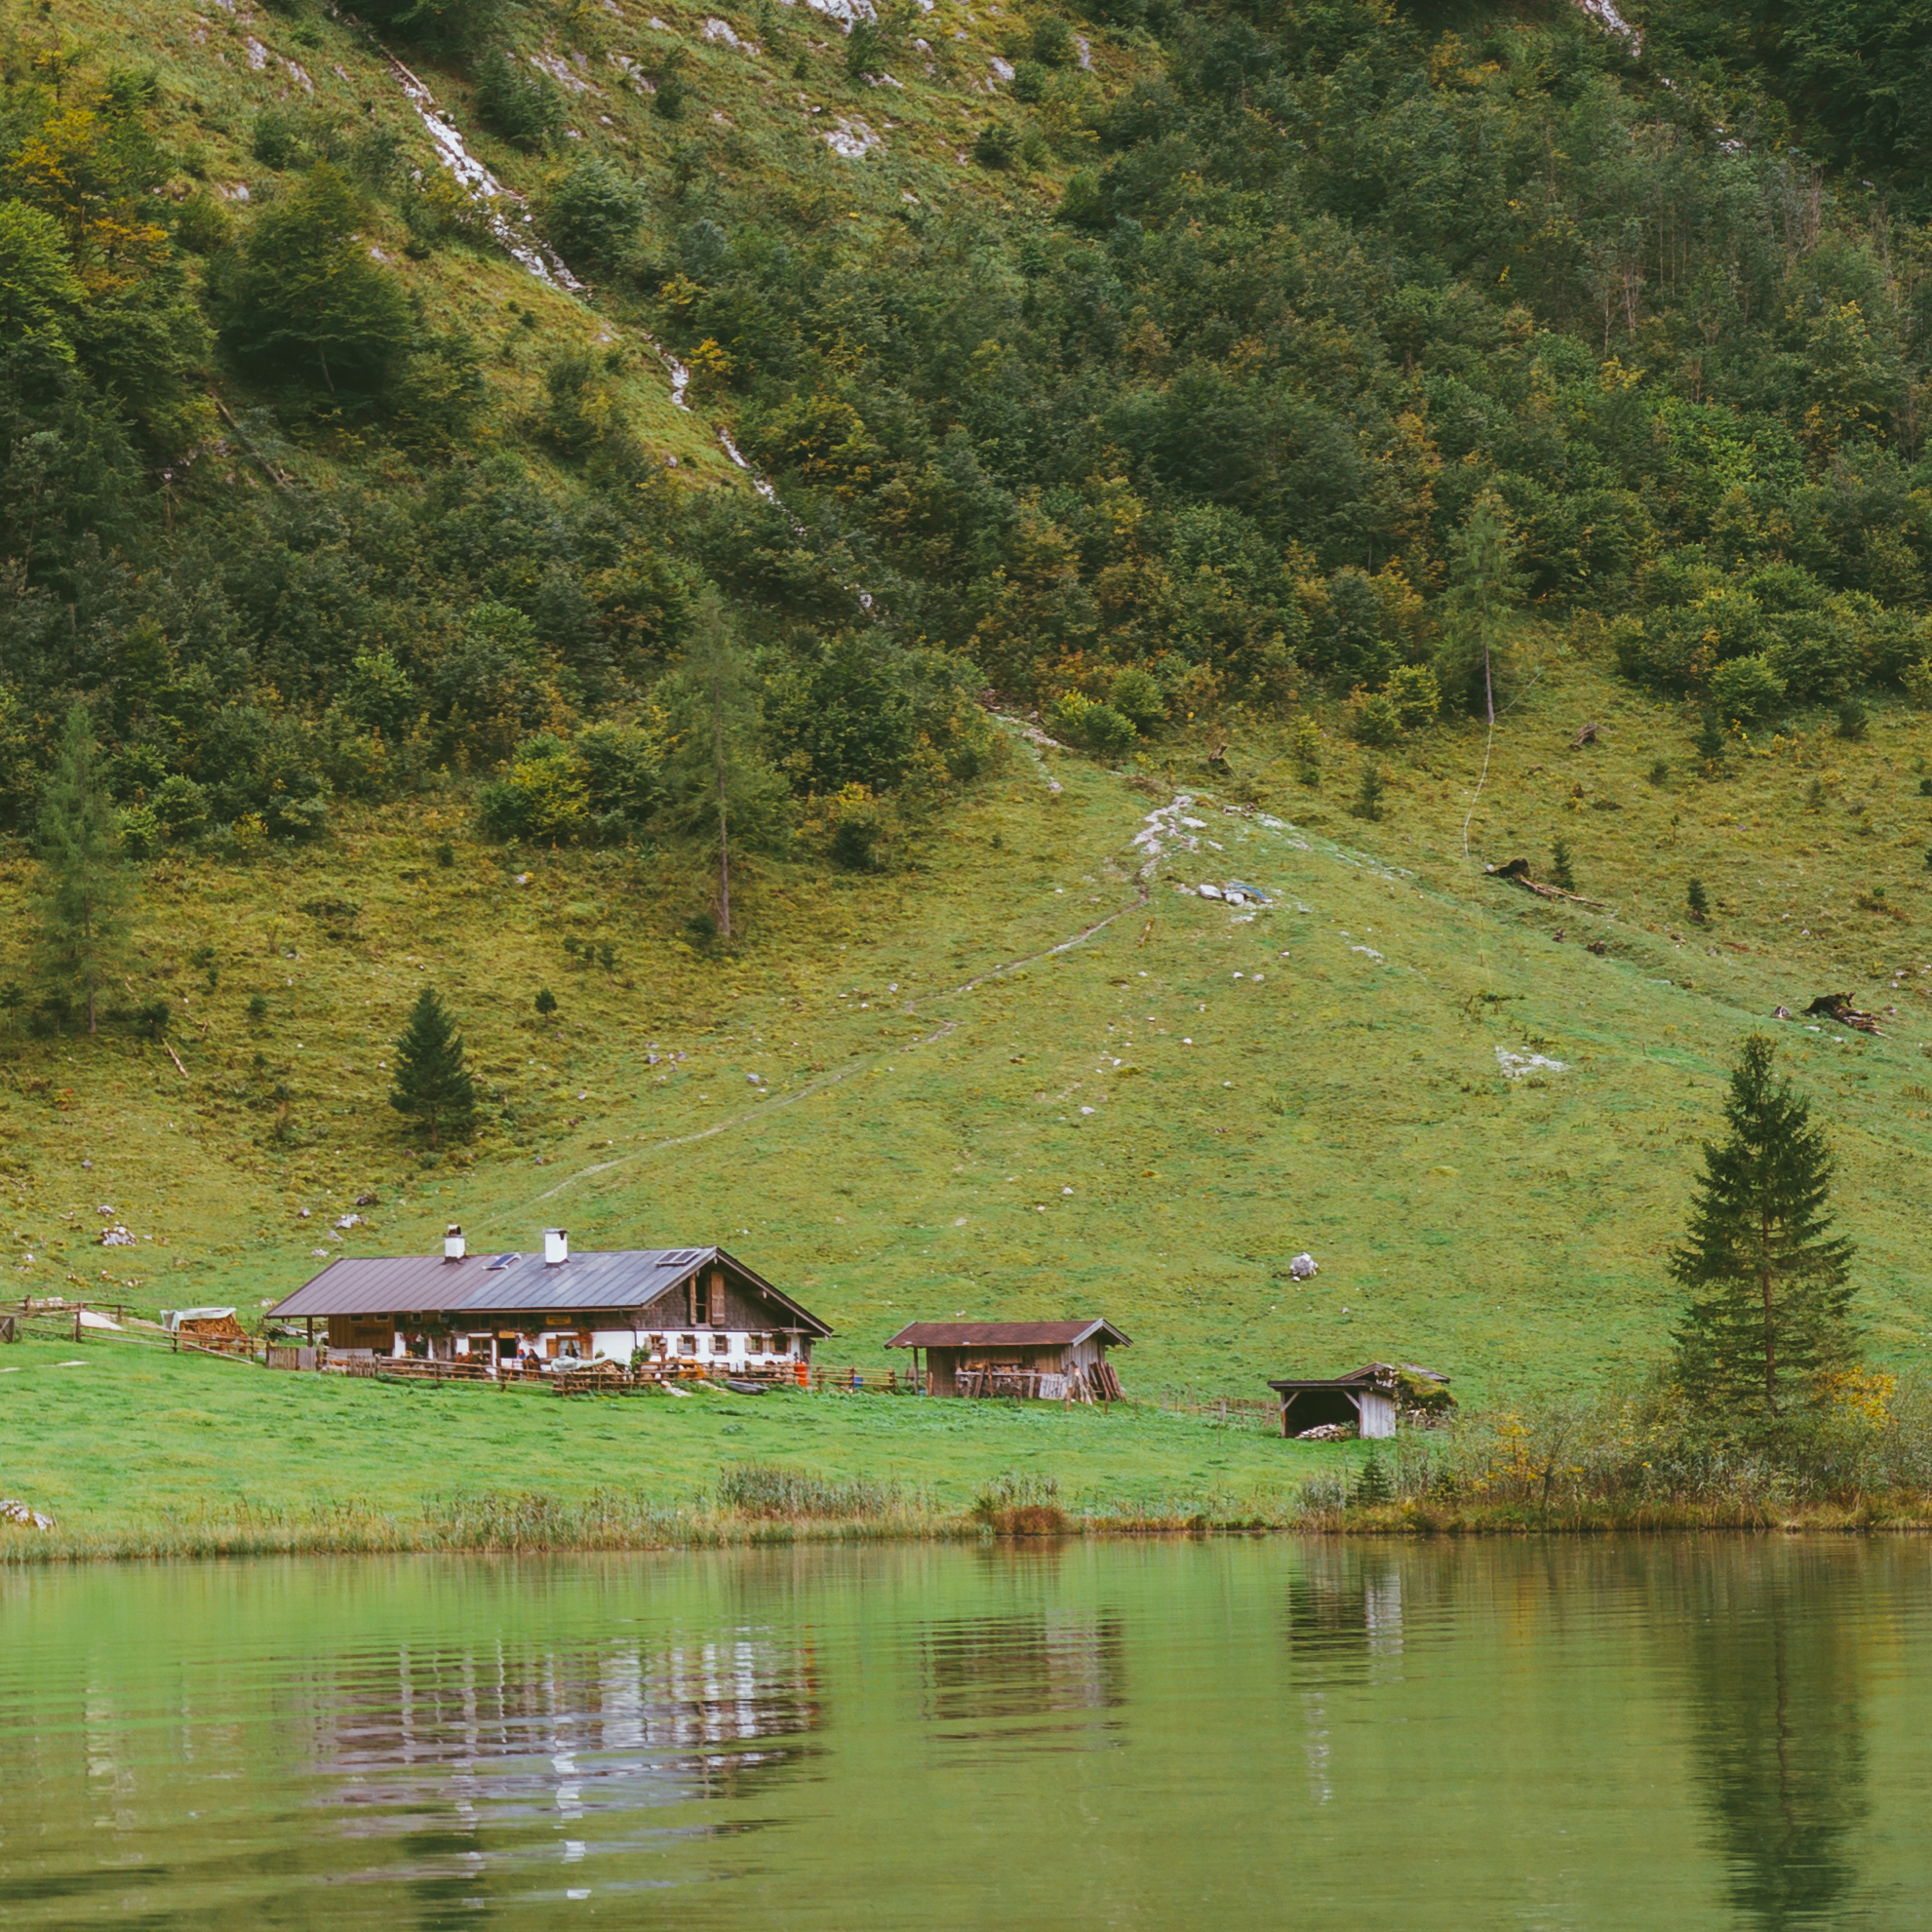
x=435, y=433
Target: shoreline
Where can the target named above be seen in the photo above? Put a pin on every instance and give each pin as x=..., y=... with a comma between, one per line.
x=563, y=1530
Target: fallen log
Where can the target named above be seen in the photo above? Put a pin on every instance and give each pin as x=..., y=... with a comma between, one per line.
x=1838, y=1006
x=1517, y=872
x=1586, y=735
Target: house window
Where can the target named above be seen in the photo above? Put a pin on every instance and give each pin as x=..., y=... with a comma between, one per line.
x=755, y=1345
x=656, y=1344
x=686, y=1344
x=720, y=1345
x=782, y=1345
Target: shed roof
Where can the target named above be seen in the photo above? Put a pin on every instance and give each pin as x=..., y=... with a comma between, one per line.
x=1005, y=1334
x=508, y=1283
x=1372, y=1375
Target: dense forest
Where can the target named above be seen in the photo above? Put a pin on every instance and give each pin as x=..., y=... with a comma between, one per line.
x=1255, y=348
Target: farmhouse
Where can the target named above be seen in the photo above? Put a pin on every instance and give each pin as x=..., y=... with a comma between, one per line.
x=694, y=1304
x=1050, y=1360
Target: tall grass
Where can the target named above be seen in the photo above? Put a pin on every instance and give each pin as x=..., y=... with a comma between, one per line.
x=1645, y=1457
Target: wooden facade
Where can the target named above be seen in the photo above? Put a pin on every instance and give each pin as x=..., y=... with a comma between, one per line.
x=1050, y=1361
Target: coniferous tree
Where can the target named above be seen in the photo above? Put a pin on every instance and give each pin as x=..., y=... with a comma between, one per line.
x=1486, y=585
x=432, y=1081
x=1769, y=1281
x=1562, y=871
x=84, y=885
x=720, y=791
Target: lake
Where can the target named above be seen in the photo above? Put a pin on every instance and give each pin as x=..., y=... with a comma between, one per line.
x=1681, y=1733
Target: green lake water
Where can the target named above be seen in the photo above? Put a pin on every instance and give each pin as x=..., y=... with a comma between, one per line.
x=1672, y=1733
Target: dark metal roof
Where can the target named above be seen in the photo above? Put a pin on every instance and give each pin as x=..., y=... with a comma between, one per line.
x=1004, y=1334
x=378, y=1284
x=428, y=1284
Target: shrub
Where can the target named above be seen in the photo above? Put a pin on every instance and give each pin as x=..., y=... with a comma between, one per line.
x=1853, y=720
x=857, y=830
x=592, y=212
x=517, y=103
x=1416, y=696
x=1746, y=688
x=180, y=807
x=1696, y=900
x=1076, y=719
x=541, y=796
x=1918, y=682
x=1368, y=793
x=140, y=832
x=547, y=1001
x=1374, y=720
x=995, y=146
x=1053, y=42
x=1136, y=694
x=1562, y=871
x=257, y=1008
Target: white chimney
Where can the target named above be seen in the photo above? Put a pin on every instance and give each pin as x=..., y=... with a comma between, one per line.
x=454, y=1247
x=555, y=1246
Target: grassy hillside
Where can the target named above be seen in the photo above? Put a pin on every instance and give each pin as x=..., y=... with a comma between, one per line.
x=1164, y=358
x=1324, y=1076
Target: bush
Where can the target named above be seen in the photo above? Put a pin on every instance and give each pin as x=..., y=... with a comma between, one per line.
x=1374, y=720
x=1136, y=694
x=592, y=212
x=542, y=795
x=180, y=807
x=1746, y=688
x=995, y=146
x=517, y=103
x=140, y=832
x=859, y=830
x=1053, y=42
x=1854, y=721
x=1416, y=696
x=1075, y=719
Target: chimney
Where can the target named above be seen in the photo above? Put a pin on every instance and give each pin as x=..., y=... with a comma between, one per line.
x=555, y=1246
x=454, y=1247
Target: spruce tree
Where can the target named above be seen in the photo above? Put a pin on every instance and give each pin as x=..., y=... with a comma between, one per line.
x=1769, y=1281
x=83, y=879
x=431, y=1081
x=1563, y=870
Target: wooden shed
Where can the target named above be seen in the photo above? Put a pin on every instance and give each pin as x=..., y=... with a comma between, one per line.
x=1047, y=1361
x=1367, y=1398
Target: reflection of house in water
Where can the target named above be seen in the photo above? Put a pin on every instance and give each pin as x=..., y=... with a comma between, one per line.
x=1345, y=1607
x=995, y=1669
x=608, y=1728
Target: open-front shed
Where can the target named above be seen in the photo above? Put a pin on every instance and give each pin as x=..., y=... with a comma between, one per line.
x=1048, y=1360
x=1370, y=1398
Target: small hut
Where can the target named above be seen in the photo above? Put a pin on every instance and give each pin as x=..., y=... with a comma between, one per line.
x=1045, y=1360
x=1370, y=1398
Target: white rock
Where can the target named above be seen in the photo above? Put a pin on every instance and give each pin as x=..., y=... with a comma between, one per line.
x=1303, y=1268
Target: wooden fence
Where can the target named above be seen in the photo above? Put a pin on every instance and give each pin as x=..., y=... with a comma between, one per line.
x=1226, y=1411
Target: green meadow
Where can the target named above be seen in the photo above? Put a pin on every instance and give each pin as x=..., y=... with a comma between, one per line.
x=967, y=1107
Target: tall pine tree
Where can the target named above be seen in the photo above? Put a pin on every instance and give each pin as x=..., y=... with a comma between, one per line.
x=720, y=792
x=83, y=879
x=1769, y=1281
x=432, y=1082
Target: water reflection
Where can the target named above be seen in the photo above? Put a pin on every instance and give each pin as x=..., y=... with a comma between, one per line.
x=566, y=1731
x=1774, y=1677
x=1343, y=1612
